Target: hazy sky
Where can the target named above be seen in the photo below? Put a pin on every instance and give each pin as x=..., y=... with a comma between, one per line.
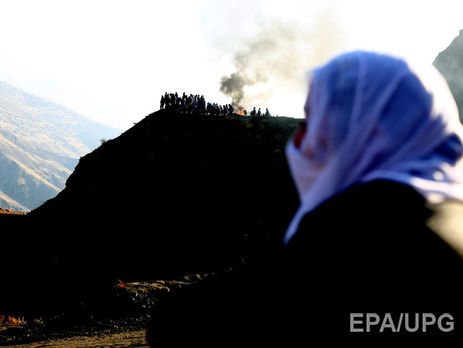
x=111, y=60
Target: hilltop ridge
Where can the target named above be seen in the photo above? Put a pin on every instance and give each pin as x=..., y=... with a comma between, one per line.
x=196, y=187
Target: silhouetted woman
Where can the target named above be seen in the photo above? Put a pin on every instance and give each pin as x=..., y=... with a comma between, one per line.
x=379, y=171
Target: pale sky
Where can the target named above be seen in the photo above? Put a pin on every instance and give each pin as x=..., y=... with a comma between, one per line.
x=110, y=61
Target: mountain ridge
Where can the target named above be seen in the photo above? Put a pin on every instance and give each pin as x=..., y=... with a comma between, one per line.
x=449, y=62
x=40, y=144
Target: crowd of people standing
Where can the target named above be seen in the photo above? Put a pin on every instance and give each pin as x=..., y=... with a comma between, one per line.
x=196, y=104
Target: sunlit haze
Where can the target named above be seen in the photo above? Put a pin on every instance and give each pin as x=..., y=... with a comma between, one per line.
x=111, y=60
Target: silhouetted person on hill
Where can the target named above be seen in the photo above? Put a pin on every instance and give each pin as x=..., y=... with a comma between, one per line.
x=267, y=113
x=259, y=113
x=162, y=102
x=253, y=111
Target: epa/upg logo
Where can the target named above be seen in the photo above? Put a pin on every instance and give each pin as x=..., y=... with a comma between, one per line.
x=402, y=322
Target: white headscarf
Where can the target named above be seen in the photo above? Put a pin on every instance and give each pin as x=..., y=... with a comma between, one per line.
x=370, y=116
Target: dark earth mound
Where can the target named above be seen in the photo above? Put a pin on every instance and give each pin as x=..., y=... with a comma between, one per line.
x=176, y=194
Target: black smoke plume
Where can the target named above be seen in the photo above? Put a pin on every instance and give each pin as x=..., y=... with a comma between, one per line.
x=276, y=58
x=233, y=86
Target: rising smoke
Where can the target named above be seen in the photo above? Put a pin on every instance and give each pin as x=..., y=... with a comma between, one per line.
x=276, y=58
x=233, y=86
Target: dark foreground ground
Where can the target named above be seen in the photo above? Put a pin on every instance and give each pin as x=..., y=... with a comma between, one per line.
x=123, y=339
x=123, y=325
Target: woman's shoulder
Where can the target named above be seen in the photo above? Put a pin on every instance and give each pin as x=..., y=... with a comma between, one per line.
x=379, y=209
x=380, y=192
x=392, y=202
x=446, y=221
x=363, y=202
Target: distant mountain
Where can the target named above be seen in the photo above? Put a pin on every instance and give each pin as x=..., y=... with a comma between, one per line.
x=450, y=63
x=40, y=144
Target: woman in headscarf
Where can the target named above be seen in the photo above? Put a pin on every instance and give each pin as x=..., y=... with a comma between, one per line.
x=379, y=170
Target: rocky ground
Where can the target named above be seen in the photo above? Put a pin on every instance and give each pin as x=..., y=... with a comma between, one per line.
x=123, y=339
x=89, y=327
